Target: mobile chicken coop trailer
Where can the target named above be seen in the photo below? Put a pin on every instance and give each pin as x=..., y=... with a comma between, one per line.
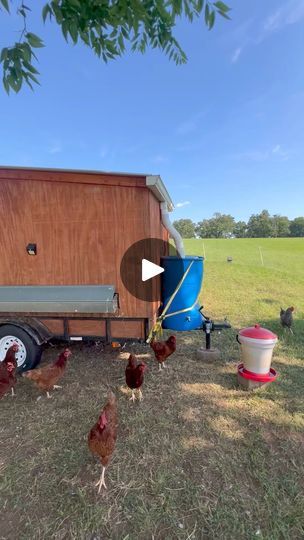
x=62, y=238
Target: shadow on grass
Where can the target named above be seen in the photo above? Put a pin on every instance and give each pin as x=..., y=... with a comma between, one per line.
x=199, y=458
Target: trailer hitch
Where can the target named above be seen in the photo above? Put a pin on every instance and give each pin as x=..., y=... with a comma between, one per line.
x=209, y=326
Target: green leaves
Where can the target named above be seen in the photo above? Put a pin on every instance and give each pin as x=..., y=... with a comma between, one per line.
x=222, y=9
x=17, y=64
x=34, y=40
x=5, y=5
x=210, y=11
x=45, y=12
x=108, y=28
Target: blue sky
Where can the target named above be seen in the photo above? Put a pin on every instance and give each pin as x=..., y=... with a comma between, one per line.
x=225, y=131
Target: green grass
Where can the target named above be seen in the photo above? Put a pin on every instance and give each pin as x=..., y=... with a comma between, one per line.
x=245, y=290
x=199, y=458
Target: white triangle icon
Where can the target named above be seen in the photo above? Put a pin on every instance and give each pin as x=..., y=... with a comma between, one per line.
x=149, y=270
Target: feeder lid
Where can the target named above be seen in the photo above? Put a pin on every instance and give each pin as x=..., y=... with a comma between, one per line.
x=257, y=332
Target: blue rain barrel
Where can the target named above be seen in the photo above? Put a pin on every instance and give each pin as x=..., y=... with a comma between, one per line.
x=175, y=267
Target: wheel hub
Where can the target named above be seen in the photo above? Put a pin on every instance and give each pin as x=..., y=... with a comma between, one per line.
x=6, y=342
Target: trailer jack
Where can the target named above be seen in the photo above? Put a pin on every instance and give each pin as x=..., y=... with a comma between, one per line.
x=209, y=326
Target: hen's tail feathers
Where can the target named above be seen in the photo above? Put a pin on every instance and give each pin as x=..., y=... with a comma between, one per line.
x=31, y=374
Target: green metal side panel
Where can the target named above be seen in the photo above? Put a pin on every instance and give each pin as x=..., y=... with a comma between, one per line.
x=59, y=299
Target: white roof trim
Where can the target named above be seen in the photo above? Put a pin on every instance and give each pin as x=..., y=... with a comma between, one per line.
x=158, y=188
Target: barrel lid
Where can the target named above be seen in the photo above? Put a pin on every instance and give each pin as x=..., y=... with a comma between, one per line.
x=257, y=332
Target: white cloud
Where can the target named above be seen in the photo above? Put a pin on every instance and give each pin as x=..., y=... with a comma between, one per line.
x=291, y=12
x=276, y=149
x=159, y=158
x=254, y=155
x=274, y=21
x=104, y=151
x=236, y=55
x=186, y=127
x=263, y=155
x=55, y=148
x=181, y=204
x=191, y=124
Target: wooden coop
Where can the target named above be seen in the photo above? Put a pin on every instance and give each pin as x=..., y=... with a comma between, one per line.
x=65, y=228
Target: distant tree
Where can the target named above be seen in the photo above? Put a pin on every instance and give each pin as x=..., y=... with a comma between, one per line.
x=185, y=227
x=280, y=226
x=240, y=229
x=297, y=227
x=260, y=225
x=202, y=229
x=219, y=226
x=107, y=27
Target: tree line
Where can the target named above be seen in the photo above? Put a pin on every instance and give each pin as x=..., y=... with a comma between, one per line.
x=261, y=225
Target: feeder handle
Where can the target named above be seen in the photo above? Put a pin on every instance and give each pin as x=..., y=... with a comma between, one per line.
x=237, y=338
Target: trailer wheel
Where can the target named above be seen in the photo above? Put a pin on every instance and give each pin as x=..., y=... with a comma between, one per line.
x=29, y=353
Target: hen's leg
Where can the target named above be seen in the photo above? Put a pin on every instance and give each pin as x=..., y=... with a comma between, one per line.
x=13, y=392
x=164, y=365
x=56, y=386
x=48, y=395
x=101, y=481
x=290, y=330
x=132, y=398
x=159, y=366
x=140, y=396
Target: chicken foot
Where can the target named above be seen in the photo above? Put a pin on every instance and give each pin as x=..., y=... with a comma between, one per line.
x=140, y=396
x=132, y=398
x=101, y=481
x=57, y=386
x=159, y=367
x=13, y=392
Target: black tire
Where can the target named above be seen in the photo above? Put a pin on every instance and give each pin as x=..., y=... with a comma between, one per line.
x=30, y=352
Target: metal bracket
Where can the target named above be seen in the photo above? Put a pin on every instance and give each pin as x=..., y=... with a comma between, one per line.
x=210, y=326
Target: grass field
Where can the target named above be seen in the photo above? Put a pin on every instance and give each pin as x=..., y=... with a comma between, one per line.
x=199, y=458
x=245, y=290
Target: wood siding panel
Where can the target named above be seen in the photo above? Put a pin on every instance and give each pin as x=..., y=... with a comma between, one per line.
x=87, y=328
x=127, y=329
x=80, y=177
x=81, y=232
x=54, y=325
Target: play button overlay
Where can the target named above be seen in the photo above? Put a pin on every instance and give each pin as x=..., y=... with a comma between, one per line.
x=149, y=270
x=141, y=271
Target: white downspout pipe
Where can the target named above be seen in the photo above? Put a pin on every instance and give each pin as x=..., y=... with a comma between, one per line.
x=179, y=244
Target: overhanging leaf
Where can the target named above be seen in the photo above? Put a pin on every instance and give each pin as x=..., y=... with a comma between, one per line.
x=34, y=40
x=221, y=7
x=5, y=5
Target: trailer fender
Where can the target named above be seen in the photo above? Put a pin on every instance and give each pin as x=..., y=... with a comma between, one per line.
x=36, y=329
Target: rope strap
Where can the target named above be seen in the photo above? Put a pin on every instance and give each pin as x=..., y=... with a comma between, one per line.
x=157, y=327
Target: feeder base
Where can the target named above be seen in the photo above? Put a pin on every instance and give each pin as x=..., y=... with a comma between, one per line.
x=248, y=384
x=208, y=355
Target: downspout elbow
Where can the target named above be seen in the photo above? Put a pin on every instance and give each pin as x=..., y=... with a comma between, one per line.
x=179, y=244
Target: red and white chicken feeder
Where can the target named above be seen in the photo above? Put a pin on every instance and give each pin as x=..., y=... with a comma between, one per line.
x=257, y=346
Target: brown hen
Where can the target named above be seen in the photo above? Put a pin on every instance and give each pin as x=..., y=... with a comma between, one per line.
x=102, y=437
x=163, y=349
x=8, y=368
x=47, y=377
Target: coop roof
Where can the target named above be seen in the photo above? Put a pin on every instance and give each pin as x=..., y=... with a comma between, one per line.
x=152, y=182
